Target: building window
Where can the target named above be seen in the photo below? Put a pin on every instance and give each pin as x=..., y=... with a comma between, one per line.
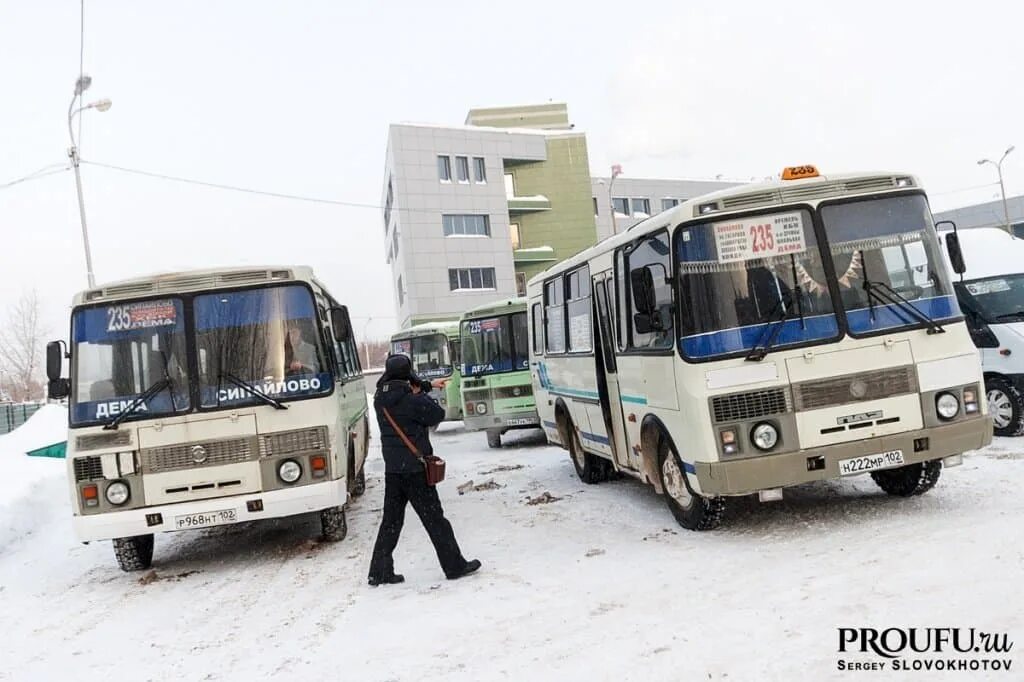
x=387, y=206
x=666, y=204
x=510, y=185
x=595, y=206
x=520, y=284
x=641, y=207
x=621, y=205
x=462, y=168
x=401, y=293
x=470, y=278
x=466, y=225
x=480, y=169
x=444, y=168
x=513, y=231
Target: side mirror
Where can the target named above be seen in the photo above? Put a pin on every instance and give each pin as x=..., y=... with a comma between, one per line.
x=341, y=325
x=642, y=285
x=956, y=255
x=54, y=360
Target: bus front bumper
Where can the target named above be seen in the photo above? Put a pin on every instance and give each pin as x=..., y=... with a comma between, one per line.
x=747, y=476
x=275, y=504
x=503, y=422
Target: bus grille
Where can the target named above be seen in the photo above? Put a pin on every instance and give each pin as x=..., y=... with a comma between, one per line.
x=95, y=441
x=746, y=406
x=88, y=468
x=290, y=442
x=198, y=454
x=856, y=388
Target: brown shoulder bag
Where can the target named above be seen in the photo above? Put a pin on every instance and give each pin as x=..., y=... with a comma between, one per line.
x=433, y=464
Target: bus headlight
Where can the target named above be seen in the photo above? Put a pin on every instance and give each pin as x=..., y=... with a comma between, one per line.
x=947, y=405
x=765, y=436
x=481, y=408
x=289, y=471
x=117, y=493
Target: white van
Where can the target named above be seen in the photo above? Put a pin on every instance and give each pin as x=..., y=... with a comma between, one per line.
x=991, y=294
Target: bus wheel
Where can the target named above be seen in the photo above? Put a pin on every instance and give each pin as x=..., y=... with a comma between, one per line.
x=590, y=468
x=494, y=438
x=910, y=480
x=333, y=524
x=1005, y=406
x=692, y=511
x=135, y=553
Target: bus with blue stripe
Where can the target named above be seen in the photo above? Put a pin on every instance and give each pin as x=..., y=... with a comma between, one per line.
x=207, y=398
x=761, y=337
x=497, y=391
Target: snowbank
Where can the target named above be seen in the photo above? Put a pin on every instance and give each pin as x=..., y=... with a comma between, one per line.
x=38, y=478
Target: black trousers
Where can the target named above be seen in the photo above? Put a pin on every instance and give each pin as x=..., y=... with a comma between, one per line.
x=413, y=488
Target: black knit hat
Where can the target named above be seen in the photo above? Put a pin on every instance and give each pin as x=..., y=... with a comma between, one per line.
x=398, y=367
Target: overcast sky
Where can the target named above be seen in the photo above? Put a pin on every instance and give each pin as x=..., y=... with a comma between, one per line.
x=296, y=98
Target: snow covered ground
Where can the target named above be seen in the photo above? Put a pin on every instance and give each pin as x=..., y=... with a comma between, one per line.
x=597, y=584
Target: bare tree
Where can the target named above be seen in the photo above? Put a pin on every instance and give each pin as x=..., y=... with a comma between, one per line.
x=374, y=349
x=21, y=350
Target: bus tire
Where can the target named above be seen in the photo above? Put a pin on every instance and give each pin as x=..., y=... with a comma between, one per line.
x=691, y=511
x=333, y=524
x=359, y=484
x=1005, y=406
x=589, y=467
x=910, y=480
x=494, y=438
x=134, y=553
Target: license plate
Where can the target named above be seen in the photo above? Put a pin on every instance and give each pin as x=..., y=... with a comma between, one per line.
x=524, y=421
x=214, y=518
x=859, y=465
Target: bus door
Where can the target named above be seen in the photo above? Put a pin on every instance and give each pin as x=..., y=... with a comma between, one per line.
x=608, y=377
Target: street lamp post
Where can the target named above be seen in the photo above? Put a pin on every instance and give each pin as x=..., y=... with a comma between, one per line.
x=366, y=341
x=101, y=105
x=616, y=172
x=1002, y=188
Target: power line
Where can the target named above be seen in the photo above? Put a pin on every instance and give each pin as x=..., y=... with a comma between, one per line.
x=43, y=172
x=962, y=189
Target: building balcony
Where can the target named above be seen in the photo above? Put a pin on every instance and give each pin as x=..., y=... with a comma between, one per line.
x=534, y=204
x=538, y=254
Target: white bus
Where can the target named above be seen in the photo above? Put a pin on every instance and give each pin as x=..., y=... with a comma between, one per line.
x=761, y=337
x=206, y=398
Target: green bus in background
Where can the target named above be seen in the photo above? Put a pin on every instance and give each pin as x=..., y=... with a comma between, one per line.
x=497, y=393
x=434, y=350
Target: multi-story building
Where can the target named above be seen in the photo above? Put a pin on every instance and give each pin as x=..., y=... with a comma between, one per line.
x=473, y=211
x=634, y=199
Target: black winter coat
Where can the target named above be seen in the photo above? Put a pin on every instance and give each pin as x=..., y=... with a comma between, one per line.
x=415, y=414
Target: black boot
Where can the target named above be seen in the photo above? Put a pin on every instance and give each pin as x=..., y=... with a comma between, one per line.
x=392, y=579
x=469, y=568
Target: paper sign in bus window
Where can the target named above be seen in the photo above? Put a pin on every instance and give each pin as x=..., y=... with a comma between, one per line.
x=760, y=237
x=143, y=315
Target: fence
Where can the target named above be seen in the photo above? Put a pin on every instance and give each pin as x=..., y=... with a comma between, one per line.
x=13, y=415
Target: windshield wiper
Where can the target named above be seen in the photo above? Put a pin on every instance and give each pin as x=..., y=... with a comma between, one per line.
x=146, y=396
x=1011, y=316
x=775, y=320
x=251, y=390
x=886, y=295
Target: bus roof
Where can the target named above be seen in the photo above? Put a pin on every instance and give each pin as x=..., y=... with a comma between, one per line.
x=765, y=195
x=194, y=280
x=508, y=305
x=446, y=327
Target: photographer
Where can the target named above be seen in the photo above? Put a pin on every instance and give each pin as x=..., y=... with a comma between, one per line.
x=405, y=397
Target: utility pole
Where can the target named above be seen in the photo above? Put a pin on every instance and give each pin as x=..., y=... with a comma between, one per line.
x=1002, y=188
x=101, y=105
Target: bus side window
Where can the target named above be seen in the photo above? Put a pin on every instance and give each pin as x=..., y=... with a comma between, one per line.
x=617, y=301
x=554, y=311
x=653, y=253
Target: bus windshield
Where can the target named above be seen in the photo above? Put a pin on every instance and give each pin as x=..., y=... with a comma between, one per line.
x=741, y=276
x=266, y=339
x=890, y=244
x=495, y=344
x=120, y=351
x=430, y=354
x=996, y=299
